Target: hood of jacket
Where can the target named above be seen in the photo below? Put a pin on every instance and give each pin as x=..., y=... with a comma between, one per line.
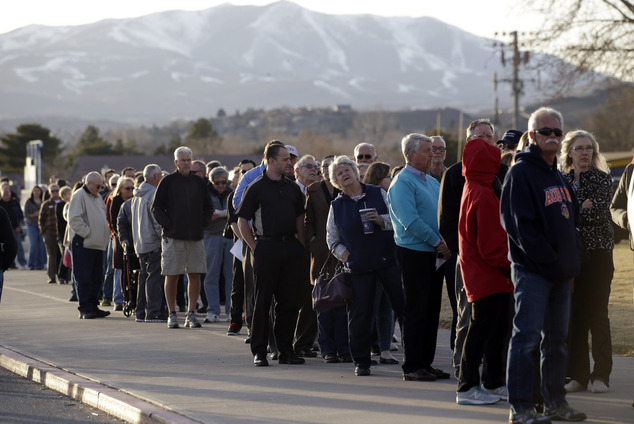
x=143, y=189
x=480, y=161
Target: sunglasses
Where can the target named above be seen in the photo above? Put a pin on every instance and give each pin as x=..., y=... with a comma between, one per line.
x=310, y=166
x=364, y=157
x=548, y=131
x=220, y=182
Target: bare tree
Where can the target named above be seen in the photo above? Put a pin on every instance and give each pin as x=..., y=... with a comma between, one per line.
x=592, y=35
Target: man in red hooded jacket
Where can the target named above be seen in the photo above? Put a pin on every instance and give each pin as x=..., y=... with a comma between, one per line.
x=485, y=271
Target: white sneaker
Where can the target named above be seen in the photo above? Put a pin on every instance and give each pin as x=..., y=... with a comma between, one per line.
x=191, y=321
x=172, y=321
x=476, y=396
x=393, y=347
x=211, y=317
x=574, y=386
x=501, y=391
x=597, y=386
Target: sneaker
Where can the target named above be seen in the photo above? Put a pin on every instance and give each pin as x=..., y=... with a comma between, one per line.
x=574, y=386
x=156, y=318
x=234, y=329
x=139, y=319
x=597, y=386
x=172, y=321
x=564, y=413
x=191, y=321
x=527, y=417
x=106, y=302
x=476, y=396
x=501, y=391
x=211, y=317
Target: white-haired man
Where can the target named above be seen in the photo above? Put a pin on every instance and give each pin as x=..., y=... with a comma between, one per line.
x=365, y=153
x=183, y=209
x=539, y=213
x=413, y=199
x=87, y=219
x=147, y=244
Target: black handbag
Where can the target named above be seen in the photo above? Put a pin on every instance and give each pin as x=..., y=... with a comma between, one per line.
x=332, y=289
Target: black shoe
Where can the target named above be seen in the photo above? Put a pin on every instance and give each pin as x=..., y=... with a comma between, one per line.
x=118, y=307
x=306, y=353
x=100, y=313
x=52, y=282
x=87, y=315
x=73, y=298
x=388, y=361
x=346, y=357
x=290, y=358
x=248, y=339
x=331, y=358
x=274, y=356
x=419, y=375
x=202, y=309
x=259, y=360
x=440, y=374
x=361, y=371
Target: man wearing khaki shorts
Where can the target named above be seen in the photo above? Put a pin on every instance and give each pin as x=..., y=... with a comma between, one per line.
x=182, y=207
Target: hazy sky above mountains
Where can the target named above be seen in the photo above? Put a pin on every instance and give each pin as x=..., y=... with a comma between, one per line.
x=482, y=17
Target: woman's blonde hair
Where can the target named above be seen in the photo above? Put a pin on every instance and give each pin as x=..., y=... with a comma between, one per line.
x=120, y=183
x=565, y=160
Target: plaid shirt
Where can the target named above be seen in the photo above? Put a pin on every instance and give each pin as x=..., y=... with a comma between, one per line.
x=48, y=219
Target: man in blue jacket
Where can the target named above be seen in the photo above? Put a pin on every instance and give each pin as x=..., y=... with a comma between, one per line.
x=539, y=212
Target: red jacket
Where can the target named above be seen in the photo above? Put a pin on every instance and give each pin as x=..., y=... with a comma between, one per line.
x=481, y=238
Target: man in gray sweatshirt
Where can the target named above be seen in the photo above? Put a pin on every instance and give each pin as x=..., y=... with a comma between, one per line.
x=147, y=243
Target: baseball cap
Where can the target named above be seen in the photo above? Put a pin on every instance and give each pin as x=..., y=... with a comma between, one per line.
x=292, y=150
x=511, y=138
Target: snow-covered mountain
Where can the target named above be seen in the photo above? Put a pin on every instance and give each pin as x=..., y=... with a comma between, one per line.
x=188, y=64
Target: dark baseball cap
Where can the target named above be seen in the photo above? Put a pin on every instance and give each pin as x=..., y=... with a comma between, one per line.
x=511, y=138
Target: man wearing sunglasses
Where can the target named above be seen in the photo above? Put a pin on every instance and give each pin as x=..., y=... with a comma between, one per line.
x=539, y=212
x=365, y=153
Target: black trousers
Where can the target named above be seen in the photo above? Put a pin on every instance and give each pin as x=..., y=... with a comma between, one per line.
x=237, y=293
x=589, y=312
x=276, y=269
x=488, y=336
x=422, y=285
x=306, y=329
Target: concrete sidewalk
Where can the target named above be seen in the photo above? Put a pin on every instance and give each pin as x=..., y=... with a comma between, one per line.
x=145, y=372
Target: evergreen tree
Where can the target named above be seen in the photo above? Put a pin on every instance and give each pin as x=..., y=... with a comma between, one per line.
x=13, y=149
x=91, y=143
x=202, y=138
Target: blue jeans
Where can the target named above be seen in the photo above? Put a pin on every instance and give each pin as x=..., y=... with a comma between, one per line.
x=20, y=256
x=542, y=312
x=219, y=259
x=108, y=272
x=37, y=252
x=333, y=331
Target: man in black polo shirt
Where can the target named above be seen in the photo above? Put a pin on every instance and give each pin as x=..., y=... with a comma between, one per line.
x=275, y=205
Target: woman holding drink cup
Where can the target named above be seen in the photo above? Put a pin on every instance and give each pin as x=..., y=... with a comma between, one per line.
x=360, y=235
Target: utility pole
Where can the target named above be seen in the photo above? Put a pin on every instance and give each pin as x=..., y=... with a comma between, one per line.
x=517, y=84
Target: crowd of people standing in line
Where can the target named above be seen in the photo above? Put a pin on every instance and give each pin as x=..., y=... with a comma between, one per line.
x=525, y=251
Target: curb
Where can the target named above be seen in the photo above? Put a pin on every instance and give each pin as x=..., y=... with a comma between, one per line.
x=112, y=401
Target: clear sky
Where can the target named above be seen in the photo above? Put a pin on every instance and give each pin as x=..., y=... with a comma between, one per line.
x=483, y=17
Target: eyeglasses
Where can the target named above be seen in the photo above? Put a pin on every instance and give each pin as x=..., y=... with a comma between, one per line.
x=220, y=182
x=364, y=157
x=310, y=166
x=483, y=136
x=438, y=149
x=548, y=131
x=583, y=148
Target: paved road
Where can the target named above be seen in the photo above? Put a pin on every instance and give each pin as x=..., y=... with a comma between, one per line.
x=202, y=375
x=24, y=401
